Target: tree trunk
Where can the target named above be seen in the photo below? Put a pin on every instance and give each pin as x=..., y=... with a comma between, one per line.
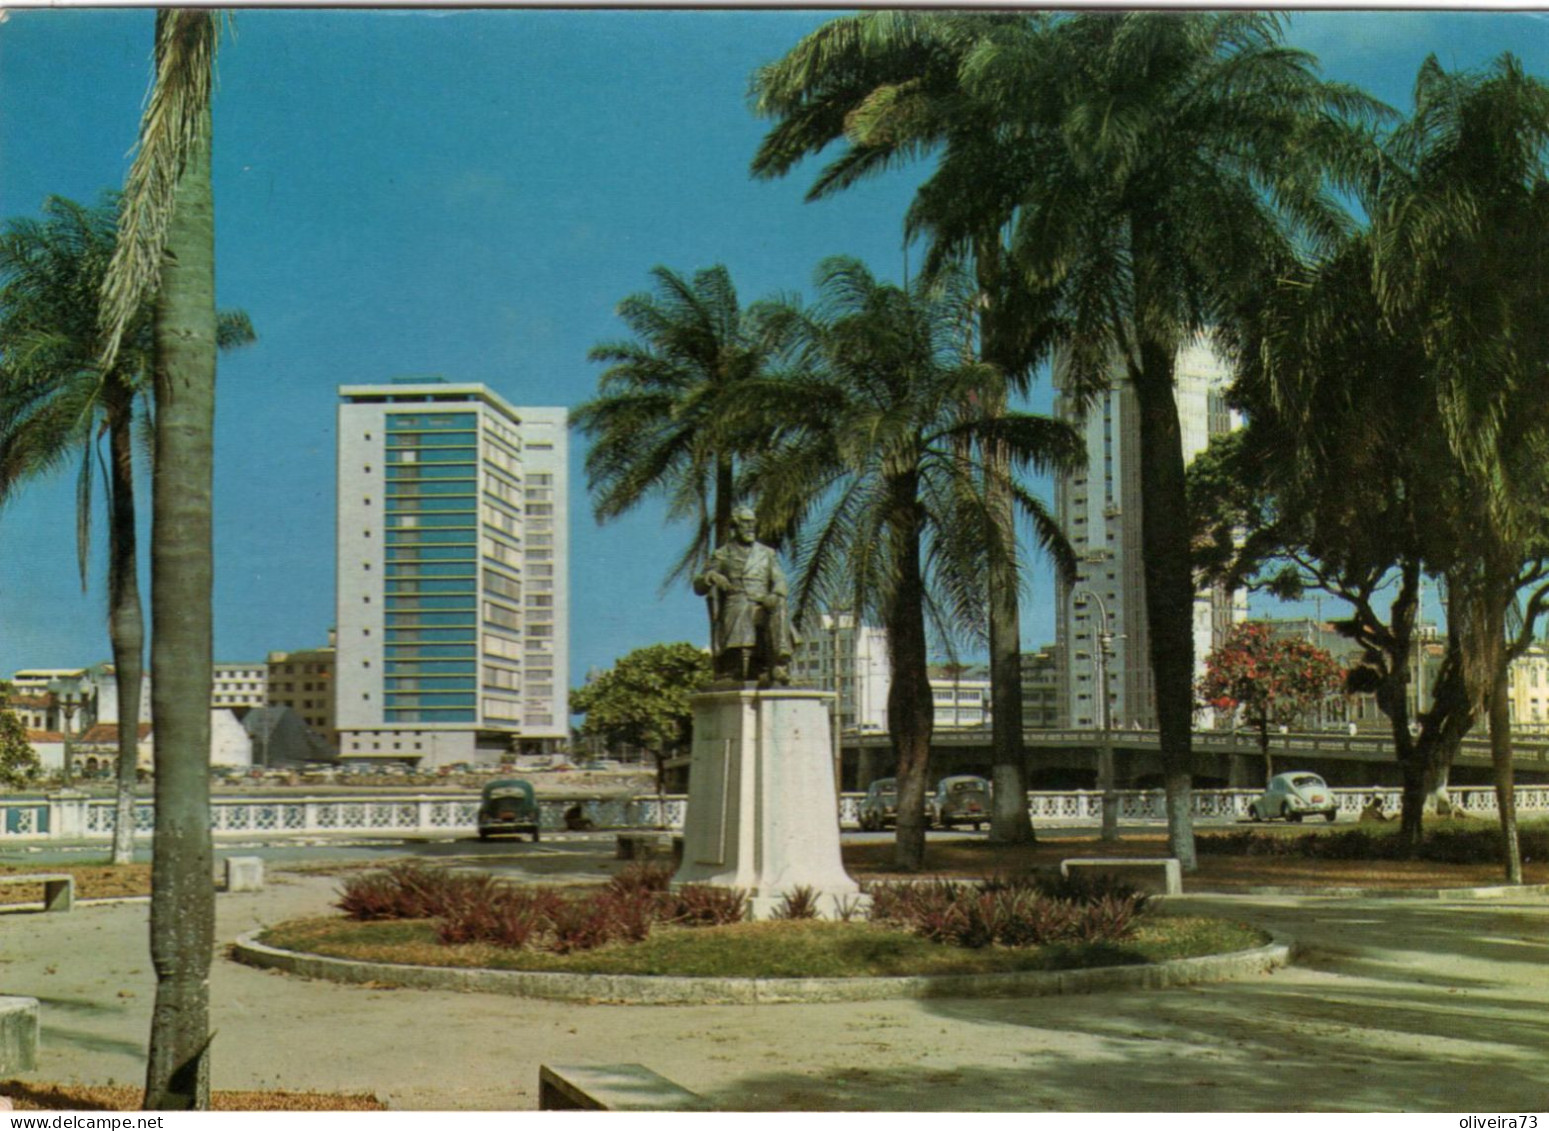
x=1505, y=787
x=1169, y=585
x=1269, y=761
x=126, y=624
x=1425, y=761
x=182, y=894
x=1010, y=822
x=1009, y=819
x=910, y=710
x=725, y=499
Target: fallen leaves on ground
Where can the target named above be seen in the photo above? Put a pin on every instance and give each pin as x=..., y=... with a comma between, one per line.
x=92, y=881
x=123, y=1097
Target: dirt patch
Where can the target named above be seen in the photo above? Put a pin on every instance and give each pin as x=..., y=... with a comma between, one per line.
x=122, y=1097
x=92, y=881
x=1216, y=873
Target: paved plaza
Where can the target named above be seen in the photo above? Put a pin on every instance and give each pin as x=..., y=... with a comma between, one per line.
x=1393, y=1004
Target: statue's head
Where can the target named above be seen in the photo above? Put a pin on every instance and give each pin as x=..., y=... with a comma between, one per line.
x=744, y=524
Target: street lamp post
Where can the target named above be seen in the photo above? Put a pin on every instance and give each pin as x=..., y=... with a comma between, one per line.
x=1100, y=654
x=68, y=698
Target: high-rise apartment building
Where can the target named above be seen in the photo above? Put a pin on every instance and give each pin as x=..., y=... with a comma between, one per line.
x=453, y=543
x=838, y=655
x=1099, y=508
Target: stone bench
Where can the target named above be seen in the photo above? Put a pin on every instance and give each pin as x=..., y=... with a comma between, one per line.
x=58, y=887
x=611, y=1087
x=18, y=1034
x=649, y=845
x=1159, y=874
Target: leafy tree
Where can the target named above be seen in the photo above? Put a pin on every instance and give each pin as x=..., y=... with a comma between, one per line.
x=166, y=246
x=18, y=760
x=657, y=423
x=643, y=700
x=1339, y=483
x=56, y=406
x=1461, y=226
x=1273, y=680
x=874, y=480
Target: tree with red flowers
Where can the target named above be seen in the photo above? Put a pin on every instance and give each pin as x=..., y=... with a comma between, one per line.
x=1273, y=680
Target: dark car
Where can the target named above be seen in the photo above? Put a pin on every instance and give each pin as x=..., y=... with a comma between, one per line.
x=508, y=806
x=960, y=800
x=879, y=808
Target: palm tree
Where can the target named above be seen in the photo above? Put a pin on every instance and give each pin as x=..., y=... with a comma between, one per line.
x=1459, y=228
x=1152, y=164
x=656, y=424
x=166, y=244
x=56, y=405
x=872, y=476
x=891, y=85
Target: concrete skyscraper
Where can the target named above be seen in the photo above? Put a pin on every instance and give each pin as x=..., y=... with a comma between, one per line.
x=453, y=544
x=1099, y=508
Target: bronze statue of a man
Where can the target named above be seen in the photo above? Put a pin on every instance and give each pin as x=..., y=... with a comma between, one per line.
x=751, y=636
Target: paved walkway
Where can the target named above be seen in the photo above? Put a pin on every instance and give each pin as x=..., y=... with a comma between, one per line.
x=1395, y=1005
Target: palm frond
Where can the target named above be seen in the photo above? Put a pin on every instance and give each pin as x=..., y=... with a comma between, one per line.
x=173, y=123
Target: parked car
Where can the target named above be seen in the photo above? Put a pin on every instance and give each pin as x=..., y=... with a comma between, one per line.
x=960, y=800
x=879, y=808
x=1293, y=796
x=508, y=806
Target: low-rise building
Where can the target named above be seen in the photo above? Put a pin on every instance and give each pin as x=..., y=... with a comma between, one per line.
x=304, y=682
x=235, y=685
x=961, y=694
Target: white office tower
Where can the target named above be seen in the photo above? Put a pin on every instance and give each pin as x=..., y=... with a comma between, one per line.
x=1099, y=508
x=453, y=543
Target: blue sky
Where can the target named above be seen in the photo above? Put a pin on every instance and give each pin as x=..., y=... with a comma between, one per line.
x=470, y=193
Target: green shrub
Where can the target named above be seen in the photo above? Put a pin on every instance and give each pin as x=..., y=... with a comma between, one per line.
x=642, y=877
x=1441, y=846
x=704, y=905
x=412, y=891
x=798, y=903
x=1011, y=911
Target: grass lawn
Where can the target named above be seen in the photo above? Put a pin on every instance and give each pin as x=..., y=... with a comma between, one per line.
x=770, y=949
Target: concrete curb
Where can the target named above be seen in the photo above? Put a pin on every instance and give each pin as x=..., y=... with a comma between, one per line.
x=634, y=989
x=1496, y=891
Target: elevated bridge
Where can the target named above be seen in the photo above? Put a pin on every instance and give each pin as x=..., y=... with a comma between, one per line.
x=1067, y=759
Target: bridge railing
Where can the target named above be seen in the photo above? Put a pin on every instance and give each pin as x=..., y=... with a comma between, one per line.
x=76, y=817
x=1528, y=750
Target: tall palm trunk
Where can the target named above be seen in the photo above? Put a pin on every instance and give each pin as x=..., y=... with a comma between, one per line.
x=1505, y=785
x=910, y=709
x=1009, y=820
x=725, y=499
x=1169, y=584
x=126, y=623
x=182, y=895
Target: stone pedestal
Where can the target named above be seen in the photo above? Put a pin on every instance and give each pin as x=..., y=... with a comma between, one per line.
x=762, y=812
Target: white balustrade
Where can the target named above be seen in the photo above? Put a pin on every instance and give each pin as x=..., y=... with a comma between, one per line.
x=72, y=817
